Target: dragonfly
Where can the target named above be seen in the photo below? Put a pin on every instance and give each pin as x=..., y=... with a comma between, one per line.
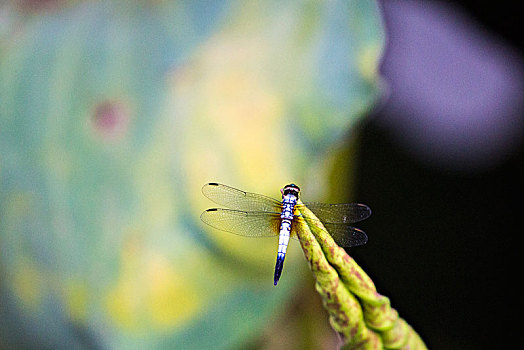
x=255, y=215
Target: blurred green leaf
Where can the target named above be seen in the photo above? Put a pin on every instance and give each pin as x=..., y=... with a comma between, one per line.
x=112, y=116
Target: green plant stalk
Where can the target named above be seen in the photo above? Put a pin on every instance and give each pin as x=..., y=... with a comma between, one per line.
x=363, y=317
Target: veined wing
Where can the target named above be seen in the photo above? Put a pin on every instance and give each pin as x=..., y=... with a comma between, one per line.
x=239, y=200
x=243, y=223
x=343, y=234
x=339, y=213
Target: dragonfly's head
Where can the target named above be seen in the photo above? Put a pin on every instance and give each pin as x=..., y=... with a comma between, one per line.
x=290, y=189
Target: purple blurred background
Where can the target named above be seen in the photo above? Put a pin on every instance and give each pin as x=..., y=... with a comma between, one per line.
x=456, y=88
x=441, y=164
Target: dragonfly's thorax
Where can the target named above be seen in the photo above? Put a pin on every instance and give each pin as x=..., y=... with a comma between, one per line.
x=288, y=205
x=289, y=200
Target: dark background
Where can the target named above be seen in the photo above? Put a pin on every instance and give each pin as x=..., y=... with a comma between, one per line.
x=444, y=245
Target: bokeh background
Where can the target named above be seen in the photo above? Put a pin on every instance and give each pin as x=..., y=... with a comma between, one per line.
x=441, y=164
x=113, y=115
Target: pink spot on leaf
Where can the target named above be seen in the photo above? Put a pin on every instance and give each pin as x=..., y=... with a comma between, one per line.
x=111, y=119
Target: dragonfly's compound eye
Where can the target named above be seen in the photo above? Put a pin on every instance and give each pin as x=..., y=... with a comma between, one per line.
x=291, y=189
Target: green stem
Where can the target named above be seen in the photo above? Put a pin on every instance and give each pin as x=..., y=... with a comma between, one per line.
x=363, y=317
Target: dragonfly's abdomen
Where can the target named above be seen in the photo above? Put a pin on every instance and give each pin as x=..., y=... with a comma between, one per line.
x=288, y=206
x=283, y=240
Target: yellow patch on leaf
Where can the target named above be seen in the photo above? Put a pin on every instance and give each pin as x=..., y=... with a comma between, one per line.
x=28, y=285
x=170, y=298
x=368, y=58
x=151, y=293
x=76, y=298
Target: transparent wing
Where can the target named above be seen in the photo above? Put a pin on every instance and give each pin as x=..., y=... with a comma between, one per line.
x=339, y=213
x=243, y=223
x=239, y=200
x=343, y=234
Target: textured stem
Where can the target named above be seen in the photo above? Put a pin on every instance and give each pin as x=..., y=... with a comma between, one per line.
x=363, y=317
